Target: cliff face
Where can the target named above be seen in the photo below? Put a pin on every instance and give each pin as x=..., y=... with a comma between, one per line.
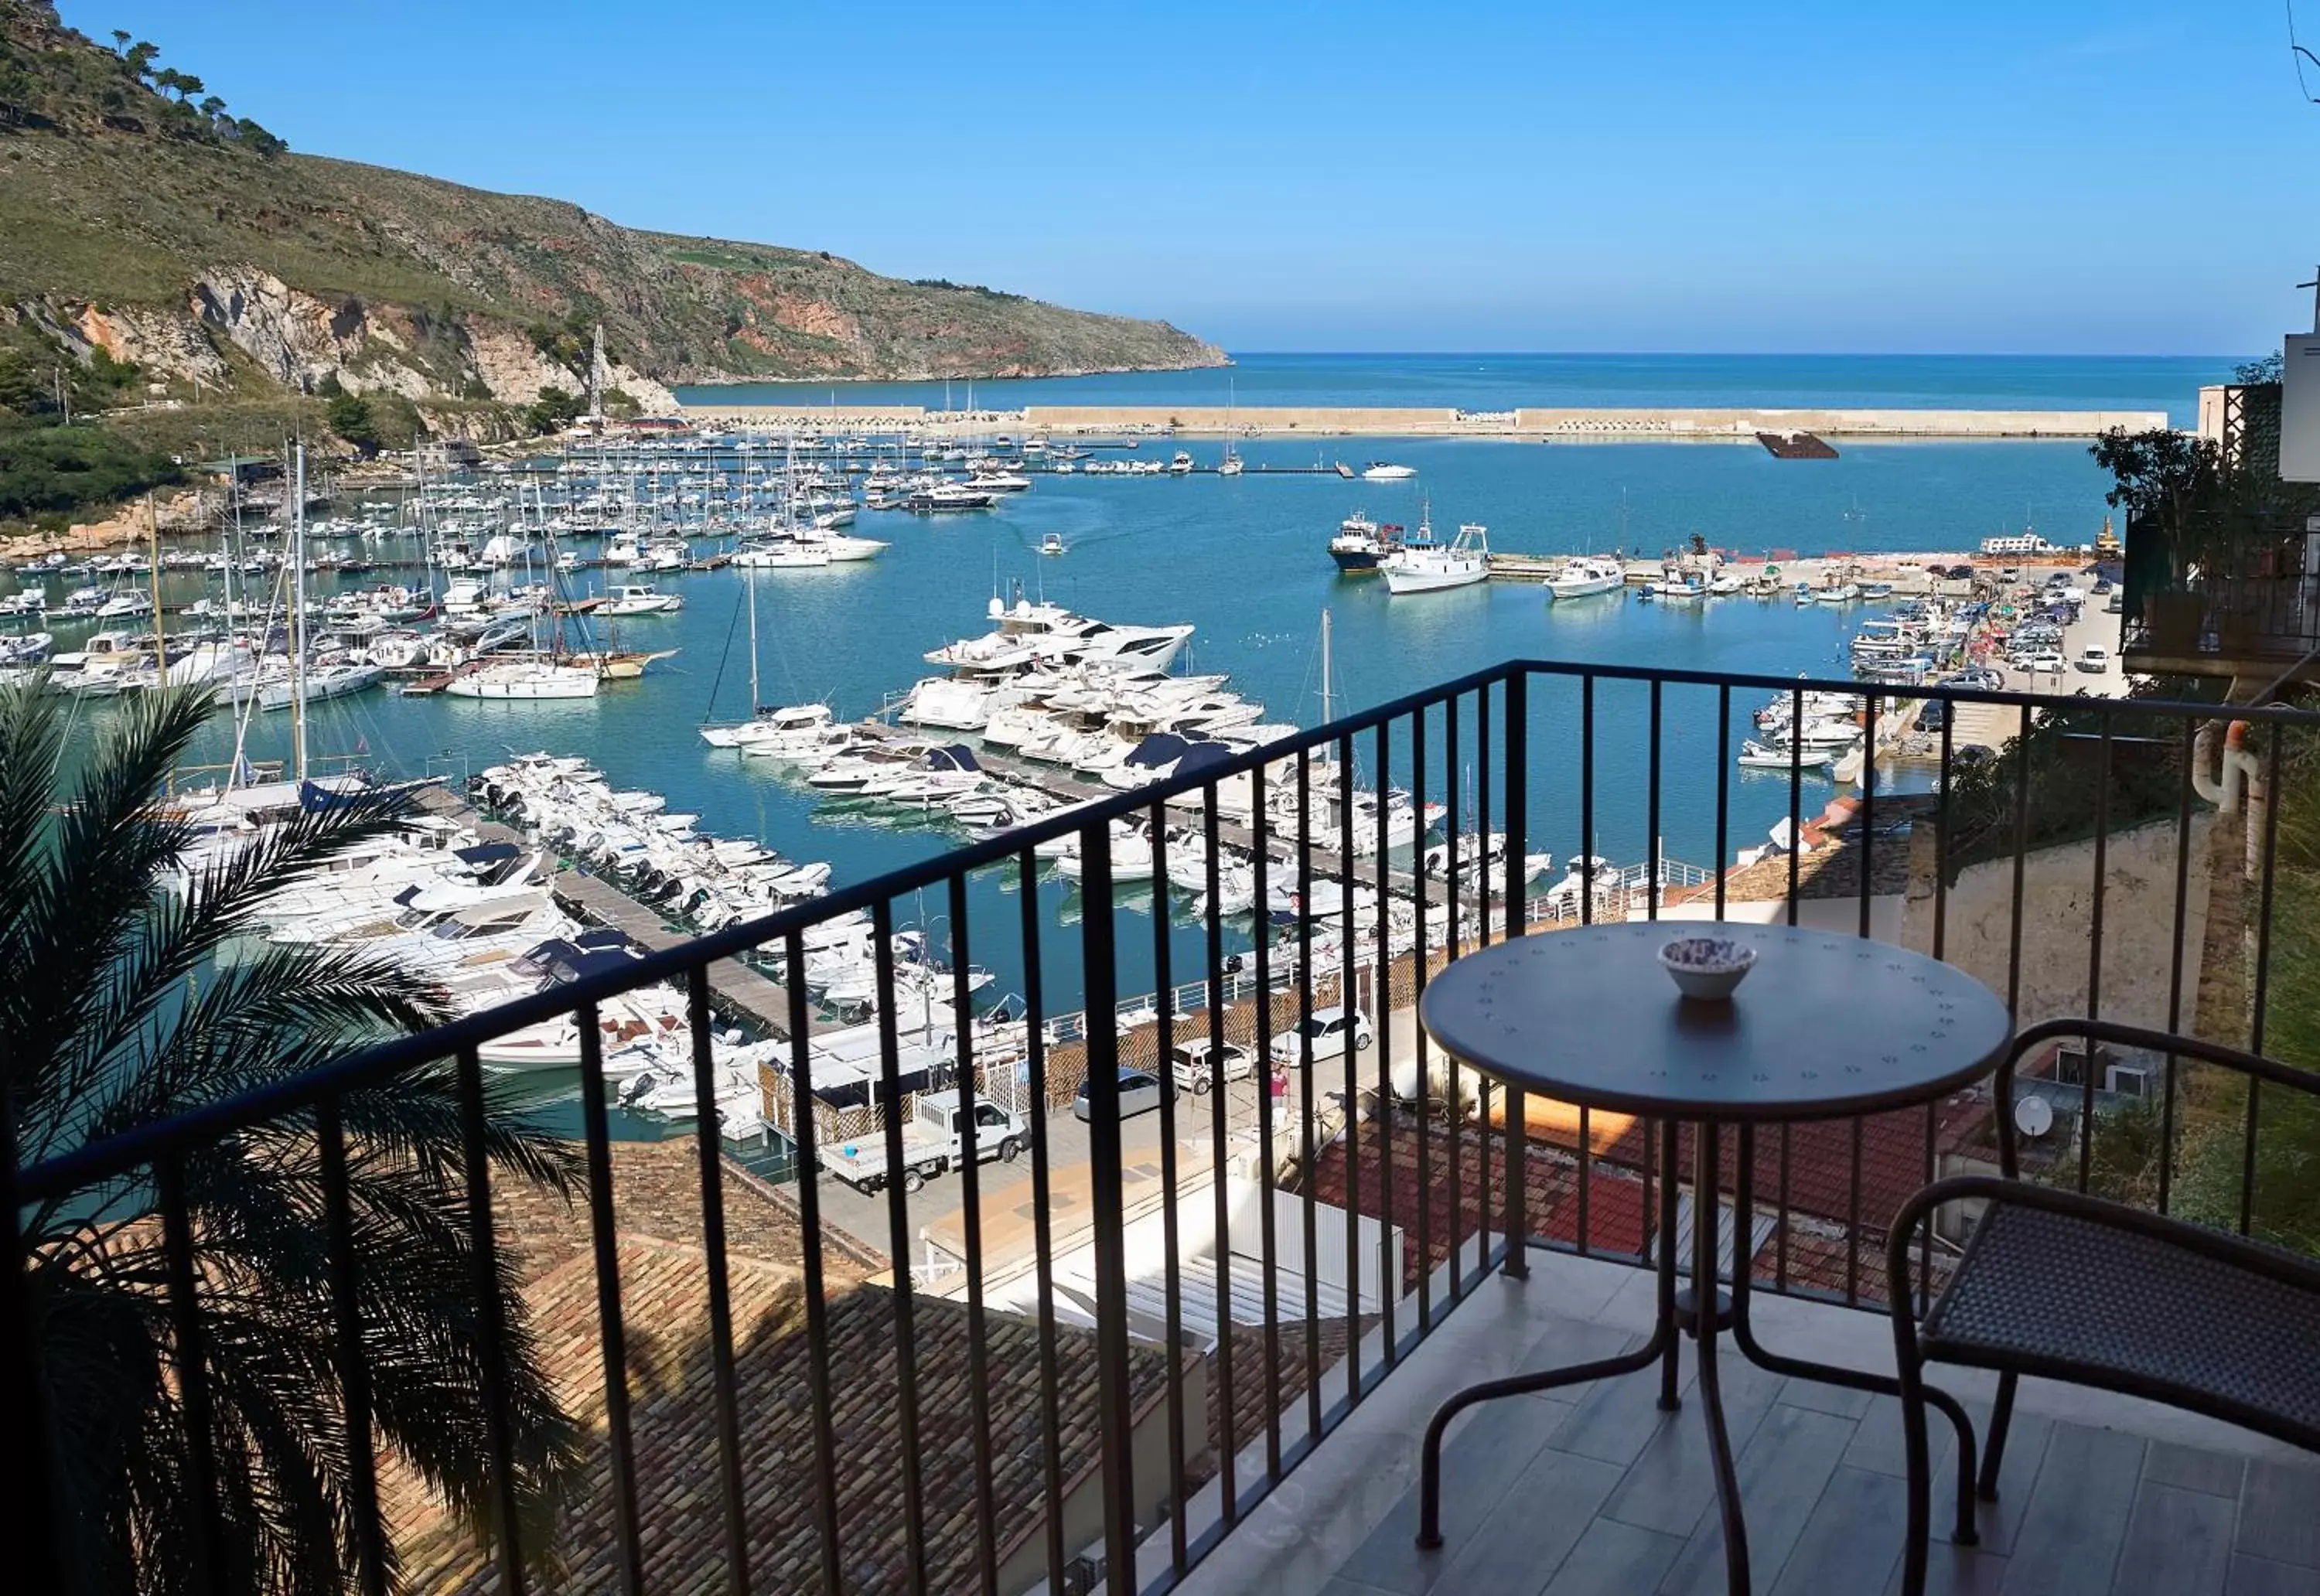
x=191, y=244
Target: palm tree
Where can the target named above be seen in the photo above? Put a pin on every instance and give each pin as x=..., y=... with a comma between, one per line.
x=125, y=1003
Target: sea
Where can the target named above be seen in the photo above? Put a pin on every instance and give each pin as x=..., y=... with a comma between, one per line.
x=1243, y=560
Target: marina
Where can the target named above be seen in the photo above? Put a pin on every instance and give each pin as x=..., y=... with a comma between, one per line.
x=596, y=539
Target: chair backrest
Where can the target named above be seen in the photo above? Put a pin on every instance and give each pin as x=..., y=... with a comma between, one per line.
x=2252, y=1064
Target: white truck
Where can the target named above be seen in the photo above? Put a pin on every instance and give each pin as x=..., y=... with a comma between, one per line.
x=931, y=1144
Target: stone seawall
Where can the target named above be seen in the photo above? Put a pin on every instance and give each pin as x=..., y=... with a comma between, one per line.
x=1544, y=425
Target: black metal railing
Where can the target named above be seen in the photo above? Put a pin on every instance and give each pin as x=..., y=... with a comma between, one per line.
x=954, y=1379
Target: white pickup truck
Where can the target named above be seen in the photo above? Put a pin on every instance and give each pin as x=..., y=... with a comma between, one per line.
x=930, y=1144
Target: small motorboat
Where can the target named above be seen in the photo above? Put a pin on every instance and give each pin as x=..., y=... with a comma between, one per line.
x=1053, y=543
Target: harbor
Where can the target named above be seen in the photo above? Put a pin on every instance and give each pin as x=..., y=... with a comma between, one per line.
x=672, y=580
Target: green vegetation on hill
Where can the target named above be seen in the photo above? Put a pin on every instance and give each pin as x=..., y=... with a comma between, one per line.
x=49, y=469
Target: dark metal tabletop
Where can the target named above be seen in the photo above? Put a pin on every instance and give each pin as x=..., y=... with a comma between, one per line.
x=1824, y=1026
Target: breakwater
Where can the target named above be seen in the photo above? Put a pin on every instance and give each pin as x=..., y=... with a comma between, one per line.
x=1589, y=424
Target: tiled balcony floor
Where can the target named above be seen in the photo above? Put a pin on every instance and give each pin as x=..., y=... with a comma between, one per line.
x=1594, y=1490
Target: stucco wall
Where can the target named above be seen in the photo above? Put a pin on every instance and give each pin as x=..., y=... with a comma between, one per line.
x=2139, y=941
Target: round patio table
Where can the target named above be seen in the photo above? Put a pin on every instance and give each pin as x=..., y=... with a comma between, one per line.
x=1825, y=1026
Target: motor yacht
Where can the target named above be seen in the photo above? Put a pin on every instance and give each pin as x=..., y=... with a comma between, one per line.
x=1586, y=577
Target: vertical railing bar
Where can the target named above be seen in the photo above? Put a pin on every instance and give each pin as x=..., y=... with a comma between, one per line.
x=1723, y=789
x=2094, y=941
x=1586, y=882
x=720, y=1295
x=970, y=1155
x=1518, y=907
x=1940, y=949
x=1389, y=1290
x=611, y=1331
x=1796, y=830
x=1852, y=1218
x=1171, y=1268
x=1451, y=790
x=1270, y=1286
x=1419, y=1046
x=2175, y=961
x=1099, y=958
x=1780, y=1198
x=483, y=1255
x=1868, y=807
x=1310, y=1257
x=1651, y=810
x=802, y=1131
x=1043, y=1224
x=1483, y=940
x=1348, y=880
x=192, y=1370
x=1227, y=1347
x=354, y=1360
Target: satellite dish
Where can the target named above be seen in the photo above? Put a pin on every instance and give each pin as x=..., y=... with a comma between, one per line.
x=2034, y=1117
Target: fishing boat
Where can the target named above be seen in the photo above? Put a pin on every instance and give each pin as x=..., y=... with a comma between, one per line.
x=1361, y=543
x=1421, y=565
x=1585, y=577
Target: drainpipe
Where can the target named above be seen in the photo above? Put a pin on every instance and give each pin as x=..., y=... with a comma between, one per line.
x=2238, y=765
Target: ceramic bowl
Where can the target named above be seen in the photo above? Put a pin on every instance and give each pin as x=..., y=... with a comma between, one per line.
x=1707, y=968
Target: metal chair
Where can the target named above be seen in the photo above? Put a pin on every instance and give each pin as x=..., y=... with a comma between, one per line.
x=2068, y=1286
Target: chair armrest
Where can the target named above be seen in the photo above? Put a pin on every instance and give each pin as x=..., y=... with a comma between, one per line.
x=2237, y=1251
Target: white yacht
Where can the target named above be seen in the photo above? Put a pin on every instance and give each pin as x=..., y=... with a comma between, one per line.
x=638, y=598
x=1587, y=576
x=518, y=679
x=1423, y=566
x=1386, y=471
x=318, y=683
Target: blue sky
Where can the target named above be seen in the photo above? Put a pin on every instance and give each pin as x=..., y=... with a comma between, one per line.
x=2069, y=176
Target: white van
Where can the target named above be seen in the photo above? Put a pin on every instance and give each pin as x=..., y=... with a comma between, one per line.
x=1328, y=1028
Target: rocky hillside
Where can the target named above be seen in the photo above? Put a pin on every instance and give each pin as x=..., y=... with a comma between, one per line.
x=137, y=215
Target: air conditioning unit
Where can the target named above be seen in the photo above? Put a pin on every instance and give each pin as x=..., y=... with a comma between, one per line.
x=2128, y=1080
x=1084, y=1574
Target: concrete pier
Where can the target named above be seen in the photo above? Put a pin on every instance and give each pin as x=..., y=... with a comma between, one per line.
x=1548, y=425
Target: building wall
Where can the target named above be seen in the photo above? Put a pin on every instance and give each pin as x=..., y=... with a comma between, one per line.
x=2058, y=895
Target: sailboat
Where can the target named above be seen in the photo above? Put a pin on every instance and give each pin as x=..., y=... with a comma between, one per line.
x=1230, y=466
x=308, y=683
x=761, y=725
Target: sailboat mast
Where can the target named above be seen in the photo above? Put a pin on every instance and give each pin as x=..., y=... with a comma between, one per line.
x=1325, y=665
x=298, y=618
x=756, y=698
x=160, y=634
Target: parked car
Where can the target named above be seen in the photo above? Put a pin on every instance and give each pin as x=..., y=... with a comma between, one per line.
x=1932, y=716
x=2047, y=661
x=1329, y=1028
x=1195, y=1065
x=1140, y=1094
x=2094, y=661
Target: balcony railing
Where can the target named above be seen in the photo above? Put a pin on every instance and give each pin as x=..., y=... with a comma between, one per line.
x=1022, y=1370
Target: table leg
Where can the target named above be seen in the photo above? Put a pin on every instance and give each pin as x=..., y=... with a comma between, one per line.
x=1662, y=1348
x=1670, y=1145
x=1704, y=1212
x=1743, y=1336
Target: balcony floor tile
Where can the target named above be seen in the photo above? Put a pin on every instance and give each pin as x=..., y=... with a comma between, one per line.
x=1593, y=1489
